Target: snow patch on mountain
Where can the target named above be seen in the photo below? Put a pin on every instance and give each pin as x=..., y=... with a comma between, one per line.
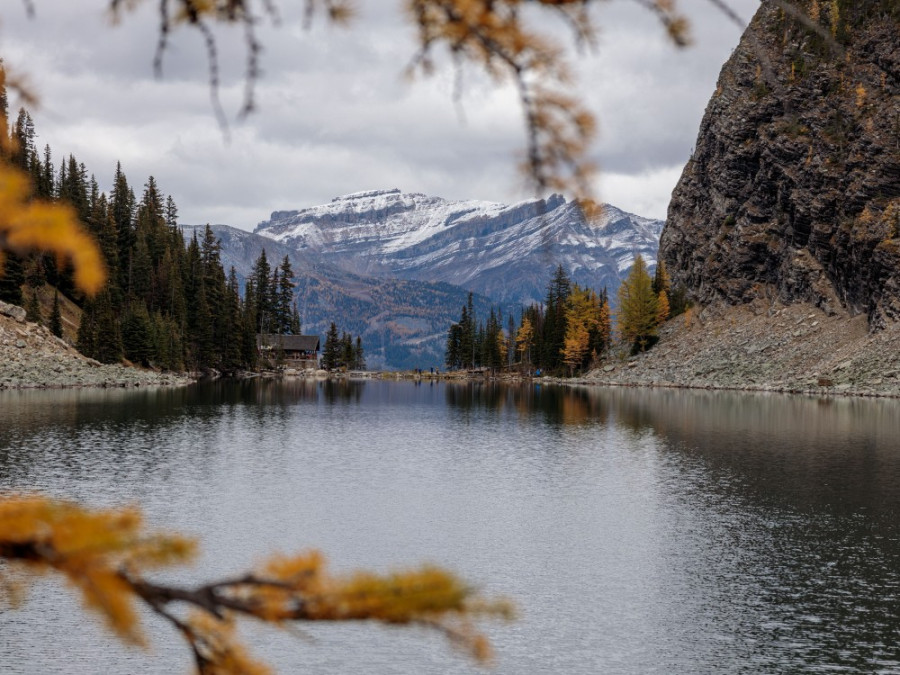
x=504, y=251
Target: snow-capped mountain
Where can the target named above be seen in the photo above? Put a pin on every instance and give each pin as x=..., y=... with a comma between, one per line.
x=505, y=252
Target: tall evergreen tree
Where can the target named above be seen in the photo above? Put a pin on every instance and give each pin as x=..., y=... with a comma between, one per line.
x=331, y=352
x=261, y=276
x=359, y=355
x=285, y=300
x=11, y=279
x=55, y=323
x=33, y=308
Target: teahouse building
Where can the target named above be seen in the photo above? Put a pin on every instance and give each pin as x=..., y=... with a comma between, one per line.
x=295, y=351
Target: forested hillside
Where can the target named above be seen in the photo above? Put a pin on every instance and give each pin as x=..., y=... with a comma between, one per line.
x=167, y=303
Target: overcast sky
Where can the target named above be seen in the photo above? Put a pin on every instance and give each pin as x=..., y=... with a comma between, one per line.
x=336, y=114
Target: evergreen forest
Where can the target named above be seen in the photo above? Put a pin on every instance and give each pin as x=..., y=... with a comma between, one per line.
x=167, y=303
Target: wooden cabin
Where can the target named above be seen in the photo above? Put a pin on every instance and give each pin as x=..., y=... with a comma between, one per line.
x=295, y=351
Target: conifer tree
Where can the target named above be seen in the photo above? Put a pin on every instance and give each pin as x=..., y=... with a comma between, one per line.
x=55, y=323
x=662, y=302
x=332, y=350
x=121, y=204
x=296, y=324
x=554, y=327
x=12, y=279
x=452, y=352
x=348, y=356
x=86, y=340
x=137, y=331
x=359, y=355
x=33, y=308
x=524, y=341
x=661, y=282
x=638, y=307
x=285, y=297
x=261, y=276
x=232, y=352
x=106, y=331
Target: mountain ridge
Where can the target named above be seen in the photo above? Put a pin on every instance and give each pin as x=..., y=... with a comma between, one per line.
x=503, y=251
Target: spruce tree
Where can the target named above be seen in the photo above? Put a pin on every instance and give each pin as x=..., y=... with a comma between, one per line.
x=452, y=357
x=107, y=330
x=332, y=350
x=261, y=276
x=55, y=324
x=359, y=355
x=285, y=297
x=33, y=308
x=12, y=276
x=137, y=331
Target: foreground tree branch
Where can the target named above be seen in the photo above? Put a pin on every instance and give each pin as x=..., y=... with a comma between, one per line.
x=105, y=554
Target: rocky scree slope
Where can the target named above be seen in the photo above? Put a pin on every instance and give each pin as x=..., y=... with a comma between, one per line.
x=505, y=252
x=762, y=346
x=32, y=357
x=793, y=191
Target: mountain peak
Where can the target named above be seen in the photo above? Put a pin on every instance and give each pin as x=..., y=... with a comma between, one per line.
x=503, y=251
x=366, y=193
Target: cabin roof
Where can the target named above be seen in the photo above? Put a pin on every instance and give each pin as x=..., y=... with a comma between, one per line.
x=294, y=343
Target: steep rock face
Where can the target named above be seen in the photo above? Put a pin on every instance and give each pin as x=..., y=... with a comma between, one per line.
x=506, y=252
x=793, y=190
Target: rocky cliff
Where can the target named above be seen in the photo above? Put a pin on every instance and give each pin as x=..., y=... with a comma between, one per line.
x=793, y=190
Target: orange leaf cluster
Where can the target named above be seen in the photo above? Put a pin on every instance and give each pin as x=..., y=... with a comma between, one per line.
x=103, y=553
x=30, y=225
x=89, y=548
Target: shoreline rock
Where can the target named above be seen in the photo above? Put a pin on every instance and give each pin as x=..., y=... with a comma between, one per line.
x=31, y=357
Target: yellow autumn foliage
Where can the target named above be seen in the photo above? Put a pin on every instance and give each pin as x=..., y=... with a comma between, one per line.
x=103, y=554
x=31, y=225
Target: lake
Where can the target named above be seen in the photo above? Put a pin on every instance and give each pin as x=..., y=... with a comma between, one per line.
x=638, y=531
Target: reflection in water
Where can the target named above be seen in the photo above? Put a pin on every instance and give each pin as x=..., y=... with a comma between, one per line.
x=557, y=405
x=641, y=531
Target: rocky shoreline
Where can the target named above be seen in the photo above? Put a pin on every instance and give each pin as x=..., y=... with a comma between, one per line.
x=31, y=357
x=756, y=347
x=795, y=348
x=759, y=346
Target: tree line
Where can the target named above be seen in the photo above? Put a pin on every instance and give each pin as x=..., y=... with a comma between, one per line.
x=167, y=302
x=571, y=331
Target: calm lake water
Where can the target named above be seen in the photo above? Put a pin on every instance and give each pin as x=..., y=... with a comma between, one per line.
x=637, y=531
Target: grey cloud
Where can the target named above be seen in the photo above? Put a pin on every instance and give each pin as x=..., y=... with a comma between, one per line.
x=335, y=112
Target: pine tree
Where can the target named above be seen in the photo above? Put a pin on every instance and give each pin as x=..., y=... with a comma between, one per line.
x=554, y=327
x=261, y=276
x=348, y=356
x=86, y=340
x=12, y=276
x=452, y=353
x=137, y=331
x=332, y=349
x=359, y=355
x=285, y=298
x=232, y=353
x=121, y=206
x=107, y=331
x=661, y=282
x=296, y=325
x=33, y=308
x=638, y=307
x=55, y=324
